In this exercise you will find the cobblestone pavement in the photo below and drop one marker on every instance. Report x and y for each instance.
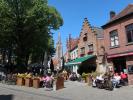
(72, 91)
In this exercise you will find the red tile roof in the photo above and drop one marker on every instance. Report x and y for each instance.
(127, 11)
(74, 43)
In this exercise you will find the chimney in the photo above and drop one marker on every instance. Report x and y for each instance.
(112, 14)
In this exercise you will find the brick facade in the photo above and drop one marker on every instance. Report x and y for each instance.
(123, 50)
(90, 42)
(92, 36)
(120, 27)
(88, 33)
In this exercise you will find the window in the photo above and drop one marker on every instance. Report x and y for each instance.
(83, 50)
(114, 38)
(85, 37)
(129, 33)
(130, 69)
(90, 47)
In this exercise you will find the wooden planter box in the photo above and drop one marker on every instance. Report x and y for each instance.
(28, 82)
(59, 83)
(36, 83)
(20, 81)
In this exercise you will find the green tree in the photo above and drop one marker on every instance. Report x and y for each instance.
(25, 27)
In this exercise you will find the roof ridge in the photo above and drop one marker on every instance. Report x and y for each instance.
(124, 10)
(128, 10)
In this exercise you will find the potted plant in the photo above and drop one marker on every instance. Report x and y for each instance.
(85, 77)
(28, 80)
(59, 82)
(20, 79)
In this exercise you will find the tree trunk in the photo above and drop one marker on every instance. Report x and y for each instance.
(4, 56)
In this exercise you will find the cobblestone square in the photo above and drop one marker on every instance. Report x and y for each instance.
(72, 91)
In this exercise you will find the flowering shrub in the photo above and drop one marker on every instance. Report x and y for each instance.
(84, 75)
(25, 75)
(81, 55)
(21, 75)
(89, 52)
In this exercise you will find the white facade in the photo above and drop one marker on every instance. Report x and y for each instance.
(74, 53)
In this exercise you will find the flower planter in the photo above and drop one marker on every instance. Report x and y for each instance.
(28, 82)
(81, 55)
(90, 52)
(20, 81)
(59, 83)
(36, 83)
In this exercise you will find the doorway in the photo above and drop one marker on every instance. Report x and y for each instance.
(119, 64)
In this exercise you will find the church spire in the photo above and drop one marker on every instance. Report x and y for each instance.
(59, 38)
(59, 47)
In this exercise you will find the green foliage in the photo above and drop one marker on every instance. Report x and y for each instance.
(84, 75)
(25, 27)
(94, 74)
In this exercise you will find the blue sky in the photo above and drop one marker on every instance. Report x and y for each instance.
(73, 13)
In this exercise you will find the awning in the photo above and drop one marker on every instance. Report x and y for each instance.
(120, 55)
(80, 60)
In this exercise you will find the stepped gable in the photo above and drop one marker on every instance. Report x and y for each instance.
(86, 27)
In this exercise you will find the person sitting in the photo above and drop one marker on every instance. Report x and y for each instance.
(73, 76)
(48, 81)
(99, 81)
(42, 79)
(100, 77)
(124, 78)
(116, 79)
(94, 82)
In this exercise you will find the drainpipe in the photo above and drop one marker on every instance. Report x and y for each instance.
(96, 51)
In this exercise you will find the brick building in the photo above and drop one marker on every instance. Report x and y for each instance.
(88, 49)
(118, 36)
(72, 52)
(72, 45)
(91, 43)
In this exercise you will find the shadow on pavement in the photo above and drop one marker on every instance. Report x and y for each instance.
(6, 97)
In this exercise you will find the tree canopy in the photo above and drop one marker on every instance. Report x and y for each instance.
(25, 28)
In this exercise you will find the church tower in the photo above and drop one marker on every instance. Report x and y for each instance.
(59, 52)
(59, 47)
